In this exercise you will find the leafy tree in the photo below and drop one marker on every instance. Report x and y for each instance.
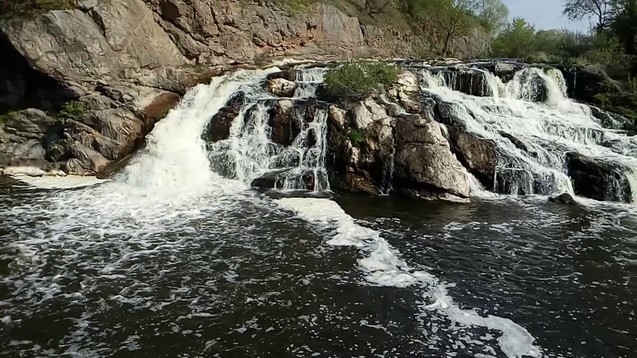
(517, 40)
(493, 14)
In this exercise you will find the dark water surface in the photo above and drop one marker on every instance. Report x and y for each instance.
(88, 274)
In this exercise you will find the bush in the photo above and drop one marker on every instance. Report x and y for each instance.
(358, 80)
(357, 136)
(73, 110)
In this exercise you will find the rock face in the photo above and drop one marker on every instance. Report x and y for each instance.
(598, 179)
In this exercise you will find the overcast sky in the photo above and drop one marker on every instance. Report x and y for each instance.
(544, 14)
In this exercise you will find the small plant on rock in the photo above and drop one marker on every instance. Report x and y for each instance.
(358, 80)
(357, 136)
(73, 110)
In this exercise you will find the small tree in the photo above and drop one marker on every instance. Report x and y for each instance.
(517, 40)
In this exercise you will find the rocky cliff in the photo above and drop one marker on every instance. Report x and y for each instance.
(126, 62)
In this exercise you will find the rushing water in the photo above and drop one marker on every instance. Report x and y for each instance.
(171, 259)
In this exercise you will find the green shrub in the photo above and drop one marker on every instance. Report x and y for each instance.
(73, 110)
(357, 136)
(358, 80)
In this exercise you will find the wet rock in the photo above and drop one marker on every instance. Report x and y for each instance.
(219, 126)
(565, 198)
(477, 154)
(599, 179)
(281, 87)
(283, 123)
(469, 81)
(287, 74)
(279, 179)
(518, 143)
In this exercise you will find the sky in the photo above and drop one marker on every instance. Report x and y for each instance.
(544, 14)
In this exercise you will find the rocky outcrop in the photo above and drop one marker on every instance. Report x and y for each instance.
(374, 152)
(599, 179)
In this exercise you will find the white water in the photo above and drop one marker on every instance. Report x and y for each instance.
(548, 130)
(250, 153)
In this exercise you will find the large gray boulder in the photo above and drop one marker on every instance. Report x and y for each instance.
(425, 165)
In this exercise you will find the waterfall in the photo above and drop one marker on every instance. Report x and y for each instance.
(250, 153)
(174, 160)
(535, 125)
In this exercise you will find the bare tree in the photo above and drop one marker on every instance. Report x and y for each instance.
(598, 9)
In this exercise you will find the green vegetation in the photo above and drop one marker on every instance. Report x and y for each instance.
(359, 79)
(73, 110)
(11, 8)
(356, 136)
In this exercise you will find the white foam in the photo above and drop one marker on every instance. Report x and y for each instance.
(384, 267)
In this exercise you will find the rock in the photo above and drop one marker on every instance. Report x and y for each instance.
(405, 91)
(469, 81)
(599, 179)
(28, 124)
(279, 178)
(283, 123)
(71, 44)
(368, 111)
(565, 198)
(424, 164)
(219, 126)
(85, 161)
(281, 87)
(478, 155)
(85, 5)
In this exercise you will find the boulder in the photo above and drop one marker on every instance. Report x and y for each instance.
(283, 122)
(565, 199)
(281, 87)
(285, 179)
(599, 179)
(218, 128)
(478, 155)
(424, 163)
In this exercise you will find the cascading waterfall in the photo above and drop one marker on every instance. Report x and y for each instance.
(249, 153)
(535, 125)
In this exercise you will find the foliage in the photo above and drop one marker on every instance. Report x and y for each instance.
(517, 40)
(492, 14)
(73, 110)
(359, 79)
(30, 7)
(356, 136)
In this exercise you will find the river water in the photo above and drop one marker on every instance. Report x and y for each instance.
(172, 260)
